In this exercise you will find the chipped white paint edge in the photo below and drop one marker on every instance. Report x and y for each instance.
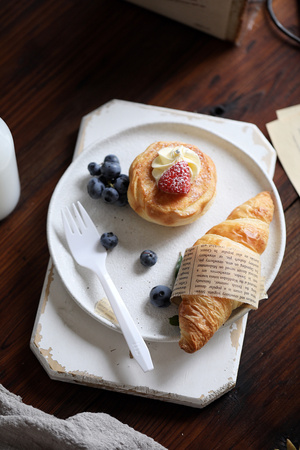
(178, 378)
(72, 347)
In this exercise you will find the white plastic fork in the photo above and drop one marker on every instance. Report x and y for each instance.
(84, 242)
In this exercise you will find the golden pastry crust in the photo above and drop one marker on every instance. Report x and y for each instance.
(171, 210)
(247, 227)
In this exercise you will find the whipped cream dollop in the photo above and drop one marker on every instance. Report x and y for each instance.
(168, 156)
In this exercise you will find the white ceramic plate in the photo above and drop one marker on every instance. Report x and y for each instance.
(239, 178)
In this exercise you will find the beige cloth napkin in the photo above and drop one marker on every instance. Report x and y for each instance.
(24, 427)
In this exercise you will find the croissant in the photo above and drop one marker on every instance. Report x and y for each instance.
(246, 227)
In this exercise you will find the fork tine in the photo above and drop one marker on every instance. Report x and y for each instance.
(88, 221)
(68, 221)
(81, 224)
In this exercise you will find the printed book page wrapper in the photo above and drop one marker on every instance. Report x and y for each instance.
(220, 272)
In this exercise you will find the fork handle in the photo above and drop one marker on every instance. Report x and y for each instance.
(131, 334)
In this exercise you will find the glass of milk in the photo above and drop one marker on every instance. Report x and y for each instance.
(9, 176)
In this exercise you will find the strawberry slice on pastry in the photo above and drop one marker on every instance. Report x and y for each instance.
(176, 179)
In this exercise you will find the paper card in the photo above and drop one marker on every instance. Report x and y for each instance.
(288, 112)
(220, 272)
(285, 136)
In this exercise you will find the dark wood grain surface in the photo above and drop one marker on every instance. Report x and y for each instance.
(59, 60)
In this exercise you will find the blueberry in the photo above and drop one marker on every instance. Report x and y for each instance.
(110, 195)
(103, 179)
(148, 258)
(122, 183)
(94, 169)
(95, 188)
(160, 296)
(122, 200)
(109, 240)
(110, 170)
(111, 158)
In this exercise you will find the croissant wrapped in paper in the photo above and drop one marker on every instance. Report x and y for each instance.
(246, 227)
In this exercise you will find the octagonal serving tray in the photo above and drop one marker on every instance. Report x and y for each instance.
(72, 346)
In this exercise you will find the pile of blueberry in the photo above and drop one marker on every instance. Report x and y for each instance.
(108, 182)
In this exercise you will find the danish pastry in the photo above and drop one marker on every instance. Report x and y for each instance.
(171, 183)
(246, 227)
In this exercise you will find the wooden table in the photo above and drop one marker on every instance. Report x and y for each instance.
(58, 62)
